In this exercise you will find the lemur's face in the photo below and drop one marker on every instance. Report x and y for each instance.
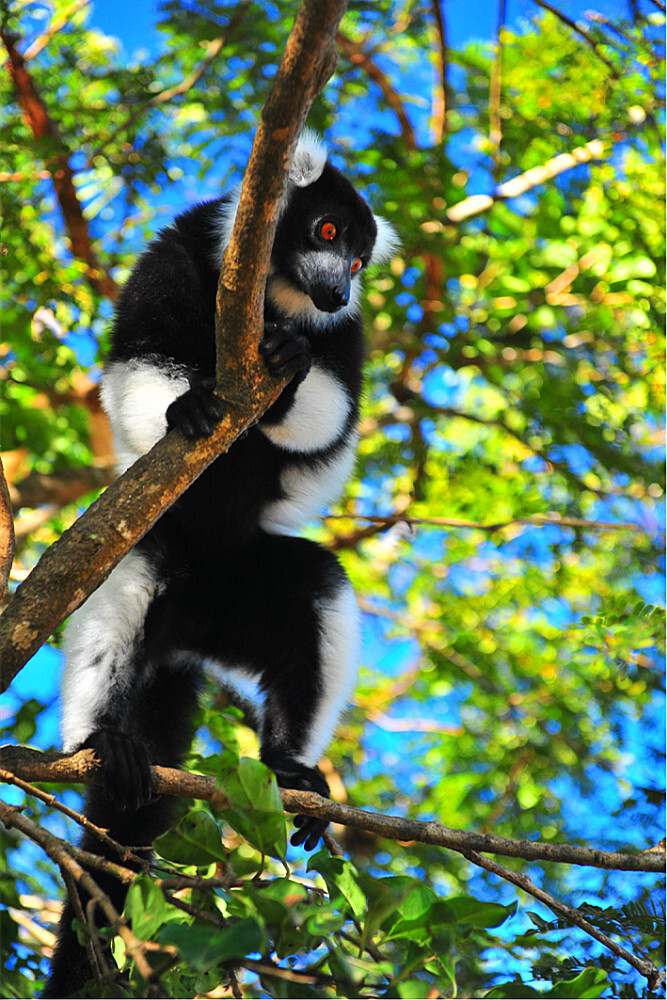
(325, 238)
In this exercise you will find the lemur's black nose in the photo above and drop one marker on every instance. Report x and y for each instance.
(340, 295)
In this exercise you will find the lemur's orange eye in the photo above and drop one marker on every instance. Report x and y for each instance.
(356, 265)
(327, 231)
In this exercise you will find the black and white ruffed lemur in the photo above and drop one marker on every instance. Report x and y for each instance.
(220, 583)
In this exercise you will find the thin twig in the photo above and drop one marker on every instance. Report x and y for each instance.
(643, 966)
(213, 48)
(536, 520)
(495, 90)
(66, 857)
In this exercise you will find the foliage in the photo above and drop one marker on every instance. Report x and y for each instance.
(512, 677)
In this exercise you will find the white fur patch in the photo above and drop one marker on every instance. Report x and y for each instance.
(243, 686)
(340, 628)
(309, 160)
(386, 241)
(135, 395)
(224, 223)
(316, 418)
(308, 491)
(99, 643)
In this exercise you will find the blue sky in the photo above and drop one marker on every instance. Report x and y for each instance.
(133, 21)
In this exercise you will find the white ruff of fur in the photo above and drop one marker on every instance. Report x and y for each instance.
(135, 396)
(317, 416)
(308, 491)
(99, 644)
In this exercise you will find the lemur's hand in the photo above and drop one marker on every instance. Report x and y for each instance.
(290, 774)
(197, 411)
(125, 768)
(285, 352)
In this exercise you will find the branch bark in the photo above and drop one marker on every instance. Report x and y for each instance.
(32, 765)
(6, 533)
(85, 555)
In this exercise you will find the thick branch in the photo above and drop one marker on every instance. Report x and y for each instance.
(85, 555)
(6, 533)
(31, 765)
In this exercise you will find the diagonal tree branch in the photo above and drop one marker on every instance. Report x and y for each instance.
(56, 25)
(573, 916)
(213, 49)
(586, 35)
(355, 53)
(85, 555)
(440, 94)
(478, 203)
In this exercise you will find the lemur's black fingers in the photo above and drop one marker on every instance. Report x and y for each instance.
(285, 352)
(309, 832)
(197, 411)
(292, 774)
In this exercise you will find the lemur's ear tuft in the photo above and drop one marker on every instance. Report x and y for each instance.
(387, 241)
(309, 159)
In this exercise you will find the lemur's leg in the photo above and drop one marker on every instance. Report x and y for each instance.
(284, 617)
(157, 728)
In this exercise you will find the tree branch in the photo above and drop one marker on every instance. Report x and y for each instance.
(358, 57)
(32, 765)
(6, 533)
(44, 129)
(573, 916)
(56, 25)
(67, 858)
(213, 48)
(85, 555)
(61, 487)
(440, 96)
(478, 203)
(379, 523)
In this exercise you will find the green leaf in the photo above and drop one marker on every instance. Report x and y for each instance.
(256, 806)
(195, 840)
(147, 908)
(204, 947)
(342, 881)
(476, 913)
